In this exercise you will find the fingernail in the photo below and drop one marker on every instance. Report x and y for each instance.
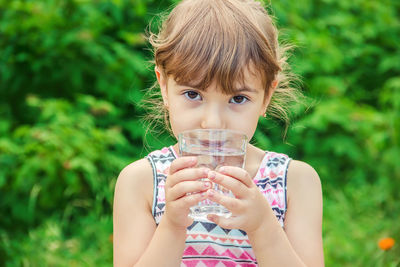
(221, 169)
(207, 184)
(211, 175)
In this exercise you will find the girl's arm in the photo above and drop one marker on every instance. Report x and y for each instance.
(134, 225)
(300, 244)
(137, 240)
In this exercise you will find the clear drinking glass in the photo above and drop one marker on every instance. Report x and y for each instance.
(213, 148)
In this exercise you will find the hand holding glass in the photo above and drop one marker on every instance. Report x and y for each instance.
(213, 148)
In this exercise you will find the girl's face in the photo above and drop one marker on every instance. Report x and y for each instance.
(190, 108)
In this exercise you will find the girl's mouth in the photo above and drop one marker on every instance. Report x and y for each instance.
(212, 143)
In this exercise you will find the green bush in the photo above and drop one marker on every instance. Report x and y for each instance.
(73, 72)
(61, 168)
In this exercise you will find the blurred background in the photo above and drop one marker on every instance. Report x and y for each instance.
(72, 75)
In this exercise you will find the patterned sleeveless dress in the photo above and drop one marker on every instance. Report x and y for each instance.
(207, 244)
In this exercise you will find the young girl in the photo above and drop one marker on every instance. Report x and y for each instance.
(218, 66)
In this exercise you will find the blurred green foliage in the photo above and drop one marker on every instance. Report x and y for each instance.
(72, 73)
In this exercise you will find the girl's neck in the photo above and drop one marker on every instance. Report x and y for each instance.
(254, 156)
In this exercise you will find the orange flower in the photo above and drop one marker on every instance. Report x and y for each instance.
(386, 243)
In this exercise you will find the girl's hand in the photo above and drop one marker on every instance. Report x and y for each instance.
(250, 209)
(183, 189)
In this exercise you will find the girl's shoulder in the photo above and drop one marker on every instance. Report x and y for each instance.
(141, 171)
(302, 174)
(137, 178)
(136, 171)
(303, 187)
(135, 182)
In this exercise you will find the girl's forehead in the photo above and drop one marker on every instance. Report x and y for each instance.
(249, 79)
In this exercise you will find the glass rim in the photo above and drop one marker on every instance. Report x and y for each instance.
(235, 132)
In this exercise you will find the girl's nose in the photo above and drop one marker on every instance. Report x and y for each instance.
(212, 118)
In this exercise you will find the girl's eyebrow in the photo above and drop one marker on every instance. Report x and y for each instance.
(240, 89)
(185, 85)
(245, 89)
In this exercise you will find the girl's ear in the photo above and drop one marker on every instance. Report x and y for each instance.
(274, 84)
(162, 81)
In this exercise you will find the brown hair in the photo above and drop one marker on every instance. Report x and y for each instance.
(202, 41)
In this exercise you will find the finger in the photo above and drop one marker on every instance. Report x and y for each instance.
(234, 205)
(182, 163)
(189, 174)
(226, 223)
(237, 173)
(238, 188)
(188, 187)
(184, 203)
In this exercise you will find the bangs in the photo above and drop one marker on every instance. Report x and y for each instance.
(214, 41)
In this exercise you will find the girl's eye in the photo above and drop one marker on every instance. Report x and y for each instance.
(239, 99)
(192, 95)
